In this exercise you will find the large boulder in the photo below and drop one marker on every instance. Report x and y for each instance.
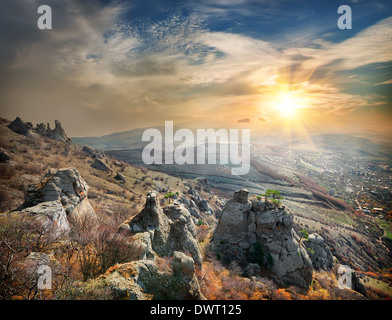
(256, 231)
(164, 231)
(61, 197)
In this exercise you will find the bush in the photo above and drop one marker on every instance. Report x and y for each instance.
(101, 246)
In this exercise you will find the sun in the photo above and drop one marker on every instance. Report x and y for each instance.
(287, 103)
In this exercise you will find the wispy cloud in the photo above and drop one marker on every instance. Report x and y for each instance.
(98, 71)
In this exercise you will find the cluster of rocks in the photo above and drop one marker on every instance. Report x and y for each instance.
(59, 198)
(196, 203)
(142, 280)
(163, 231)
(25, 128)
(168, 233)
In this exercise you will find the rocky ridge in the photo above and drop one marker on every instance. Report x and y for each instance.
(25, 128)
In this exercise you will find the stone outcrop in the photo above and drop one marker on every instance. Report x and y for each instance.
(61, 197)
(320, 253)
(120, 176)
(257, 231)
(142, 280)
(57, 133)
(99, 164)
(20, 127)
(162, 232)
(93, 153)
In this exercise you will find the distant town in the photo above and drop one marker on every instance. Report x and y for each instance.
(364, 184)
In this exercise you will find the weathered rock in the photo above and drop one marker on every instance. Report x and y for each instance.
(50, 212)
(141, 280)
(194, 212)
(58, 133)
(320, 253)
(100, 165)
(205, 207)
(168, 230)
(185, 201)
(20, 127)
(95, 153)
(246, 231)
(357, 285)
(182, 235)
(61, 197)
(120, 176)
(241, 195)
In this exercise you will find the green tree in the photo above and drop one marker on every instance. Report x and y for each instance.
(169, 195)
(274, 194)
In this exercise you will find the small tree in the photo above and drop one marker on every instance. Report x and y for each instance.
(275, 195)
(169, 195)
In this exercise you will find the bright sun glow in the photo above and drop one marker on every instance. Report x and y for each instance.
(287, 103)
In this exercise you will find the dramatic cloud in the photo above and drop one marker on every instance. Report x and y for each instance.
(100, 71)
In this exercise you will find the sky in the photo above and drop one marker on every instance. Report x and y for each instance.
(283, 65)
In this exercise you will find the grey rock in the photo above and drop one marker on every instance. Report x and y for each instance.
(120, 176)
(141, 280)
(91, 152)
(61, 197)
(205, 207)
(194, 212)
(20, 127)
(185, 201)
(357, 285)
(241, 195)
(99, 164)
(242, 225)
(320, 253)
(171, 229)
(51, 213)
(58, 133)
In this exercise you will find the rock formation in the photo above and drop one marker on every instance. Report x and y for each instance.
(93, 153)
(142, 280)
(57, 133)
(120, 176)
(63, 196)
(99, 164)
(162, 232)
(250, 231)
(320, 253)
(20, 127)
